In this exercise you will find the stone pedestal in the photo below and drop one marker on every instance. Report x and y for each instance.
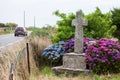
(73, 63)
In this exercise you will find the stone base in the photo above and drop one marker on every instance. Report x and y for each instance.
(73, 63)
(61, 70)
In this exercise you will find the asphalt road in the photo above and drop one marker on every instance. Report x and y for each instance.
(9, 39)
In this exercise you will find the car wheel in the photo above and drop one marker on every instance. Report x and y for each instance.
(14, 34)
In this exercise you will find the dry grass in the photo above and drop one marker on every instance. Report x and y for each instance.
(7, 56)
(22, 68)
(39, 44)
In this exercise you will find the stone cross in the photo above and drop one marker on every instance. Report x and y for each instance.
(79, 22)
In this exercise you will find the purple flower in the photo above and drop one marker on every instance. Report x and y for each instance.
(99, 53)
(69, 44)
(104, 51)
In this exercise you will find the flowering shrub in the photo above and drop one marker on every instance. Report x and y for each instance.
(69, 44)
(53, 53)
(103, 56)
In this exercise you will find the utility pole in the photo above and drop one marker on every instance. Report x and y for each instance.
(24, 19)
(34, 21)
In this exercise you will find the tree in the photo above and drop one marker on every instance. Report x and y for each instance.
(99, 25)
(116, 21)
(64, 29)
(2, 25)
(11, 24)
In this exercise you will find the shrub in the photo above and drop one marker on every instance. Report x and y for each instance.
(116, 21)
(40, 32)
(69, 44)
(64, 29)
(101, 23)
(53, 54)
(63, 33)
(98, 23)
(103, 56)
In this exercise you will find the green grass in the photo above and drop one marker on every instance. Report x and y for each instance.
(7, 32)
(47, 70)
(96, 77)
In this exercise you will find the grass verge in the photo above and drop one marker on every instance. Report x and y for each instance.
(7, 32)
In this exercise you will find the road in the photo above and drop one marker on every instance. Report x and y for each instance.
(9, 39)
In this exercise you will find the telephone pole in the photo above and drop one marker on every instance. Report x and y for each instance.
(34, 21)
(24, 19)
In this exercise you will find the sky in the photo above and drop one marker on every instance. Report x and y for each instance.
(42, 10)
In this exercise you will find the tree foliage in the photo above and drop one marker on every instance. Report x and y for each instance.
(116, 21)
(2, 25)
(99, 25)
(64, 28)
(8, 25)
(11, 24)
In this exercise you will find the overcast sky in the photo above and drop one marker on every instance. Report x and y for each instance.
(13, 10)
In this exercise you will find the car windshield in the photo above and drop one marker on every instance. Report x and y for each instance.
(19, 28)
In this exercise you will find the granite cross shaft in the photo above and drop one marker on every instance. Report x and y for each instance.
(79, 22)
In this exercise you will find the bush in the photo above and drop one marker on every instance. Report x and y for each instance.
(98, 23)
(64, 29)
(63, 33)
(40, 32)
(116, 21)
(69, 44)
(103, 56)
(53, 54)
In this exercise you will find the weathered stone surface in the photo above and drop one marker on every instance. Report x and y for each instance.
(74, 61)
(61, 70)
(79, 22)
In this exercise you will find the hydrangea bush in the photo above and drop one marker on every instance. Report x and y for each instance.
(69, 44)
(53, 53)
(103, 56)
